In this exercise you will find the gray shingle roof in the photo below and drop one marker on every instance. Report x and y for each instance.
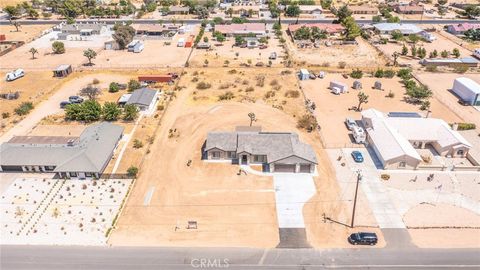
(90, 153)
(275, 146)
(142, 96)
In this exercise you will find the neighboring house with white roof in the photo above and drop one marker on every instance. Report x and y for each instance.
(80, 157)
(404, 28)
(144, 98)
(275, 151)
(394, 139)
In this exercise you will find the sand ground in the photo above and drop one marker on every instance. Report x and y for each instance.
(332, 109)
(362, 55)
(441, 84)
(231, 210)
(27, 32)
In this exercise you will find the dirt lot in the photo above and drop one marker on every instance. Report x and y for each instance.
(231, 210)
(332, 109)
(441, 84)
(440, 44)
(27, 32)
(236, 56)
(361, 55)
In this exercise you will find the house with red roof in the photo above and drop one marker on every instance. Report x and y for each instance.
(461, 28)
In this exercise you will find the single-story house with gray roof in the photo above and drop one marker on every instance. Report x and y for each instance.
(144, 98)
(80, 157)
(275, 151)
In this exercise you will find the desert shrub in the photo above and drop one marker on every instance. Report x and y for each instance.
(286, 72)
(5, 115)
(273, 82)
(226, 96)
(379, 73)
(325, 64)
(95, 81)
(460, 68)
(385, 176)
(132, 171)
(431, 68)
(342, 64)
(245, 82)
(58, 47)
(425, 105)
(466, 126)
(292, 94)
(160, 107)
(356, 74)
(389, 73)
(260, 80)
(269, 94)
(390, 94)
(24, 108)
(232, 71)
(405, 73)
(307, 122)
(133, 85)
(137, 144)
(113, 87)
(203, 85)
(250, 89)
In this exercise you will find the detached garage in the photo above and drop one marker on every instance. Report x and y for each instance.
(467, 90)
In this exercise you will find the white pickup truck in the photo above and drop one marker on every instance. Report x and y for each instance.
(11, 76)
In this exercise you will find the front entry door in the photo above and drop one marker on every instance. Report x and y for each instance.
(244, 159)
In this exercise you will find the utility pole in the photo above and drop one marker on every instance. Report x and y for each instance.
(359, 177)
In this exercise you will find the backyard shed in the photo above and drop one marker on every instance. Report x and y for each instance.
(357, 85)
(304, 74)
(155, 78)
(467, 90)
(62, 71)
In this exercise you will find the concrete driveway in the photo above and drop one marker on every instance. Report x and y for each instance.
(292, 191)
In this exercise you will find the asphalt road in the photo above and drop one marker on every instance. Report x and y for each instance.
(105, 258)
(196, 21)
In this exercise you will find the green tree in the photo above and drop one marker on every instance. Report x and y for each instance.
(393, 19)
(58, 47)
(376, 19)
(362, 99)
(111, 111)
(12, 11)
(417, 93)
(352, 28)
(343, 13)
(133, 85)
(413, 38)
(473, 34)
(317, 34)
(132, 171)
(292, 11)
(91, 111)
(130, 112)
(397, 35)
(113, 87)
(90, 54)
(472, 11)
(356, 74)
(302, 33)
(326, 4)
(444, 53)
(414, 51)
(123, 35)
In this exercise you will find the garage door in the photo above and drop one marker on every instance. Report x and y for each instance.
(285, 168)
(12, 168)
(305, 168)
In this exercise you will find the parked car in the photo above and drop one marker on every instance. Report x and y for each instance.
(75, 99)
(263, 46)
(350, 123)
(63, 104)
(273, 56)
(363, 238)
(357, 156)
(11, 76)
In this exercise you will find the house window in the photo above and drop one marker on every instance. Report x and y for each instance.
(73, 174)
(402, 164)
(259, 158)
(215, 154)
(88, 174)
(231, 154)
(460, 152)
(49, 168)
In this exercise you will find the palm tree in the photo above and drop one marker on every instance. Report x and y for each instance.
(253, 118)
(33, 51)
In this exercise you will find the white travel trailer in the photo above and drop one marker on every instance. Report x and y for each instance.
(338, 88)
(11, 76)
(181, 42)
(476, 53)
(359, 134)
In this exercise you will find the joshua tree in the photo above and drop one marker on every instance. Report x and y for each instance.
(33, 51)
(16, 24)
(253, 118)
(362, 99)
(395, 57)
